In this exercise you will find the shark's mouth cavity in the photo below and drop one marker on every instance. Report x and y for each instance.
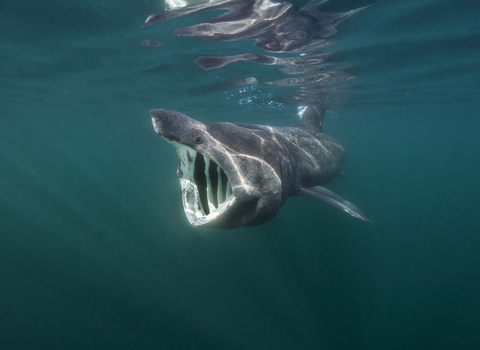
(206, 190)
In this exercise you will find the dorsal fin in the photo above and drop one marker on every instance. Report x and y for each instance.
(311, 117)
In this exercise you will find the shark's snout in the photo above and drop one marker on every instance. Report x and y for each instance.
(174, 125)
(157, 115)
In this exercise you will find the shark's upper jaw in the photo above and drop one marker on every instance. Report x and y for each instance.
(206, 190)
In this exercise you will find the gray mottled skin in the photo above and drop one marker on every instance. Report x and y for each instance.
(265, 164)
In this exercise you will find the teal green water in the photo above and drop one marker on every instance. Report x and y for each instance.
(95, 251)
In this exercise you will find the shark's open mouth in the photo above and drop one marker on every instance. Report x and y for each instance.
(206, 190)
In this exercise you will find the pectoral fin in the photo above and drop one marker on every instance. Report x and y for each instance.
(323, 195)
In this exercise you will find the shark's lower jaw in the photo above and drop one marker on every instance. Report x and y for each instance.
(206, 190)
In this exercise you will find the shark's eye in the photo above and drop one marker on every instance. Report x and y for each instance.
(198, 140)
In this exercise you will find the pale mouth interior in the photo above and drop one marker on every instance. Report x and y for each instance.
(206, 190)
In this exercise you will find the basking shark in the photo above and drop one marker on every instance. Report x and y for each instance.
(235, 175)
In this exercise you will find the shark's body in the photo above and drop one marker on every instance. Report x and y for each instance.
(236, 175)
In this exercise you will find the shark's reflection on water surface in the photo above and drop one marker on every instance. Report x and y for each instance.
(276, 27)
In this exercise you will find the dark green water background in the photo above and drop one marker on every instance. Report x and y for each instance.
(95, 251)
